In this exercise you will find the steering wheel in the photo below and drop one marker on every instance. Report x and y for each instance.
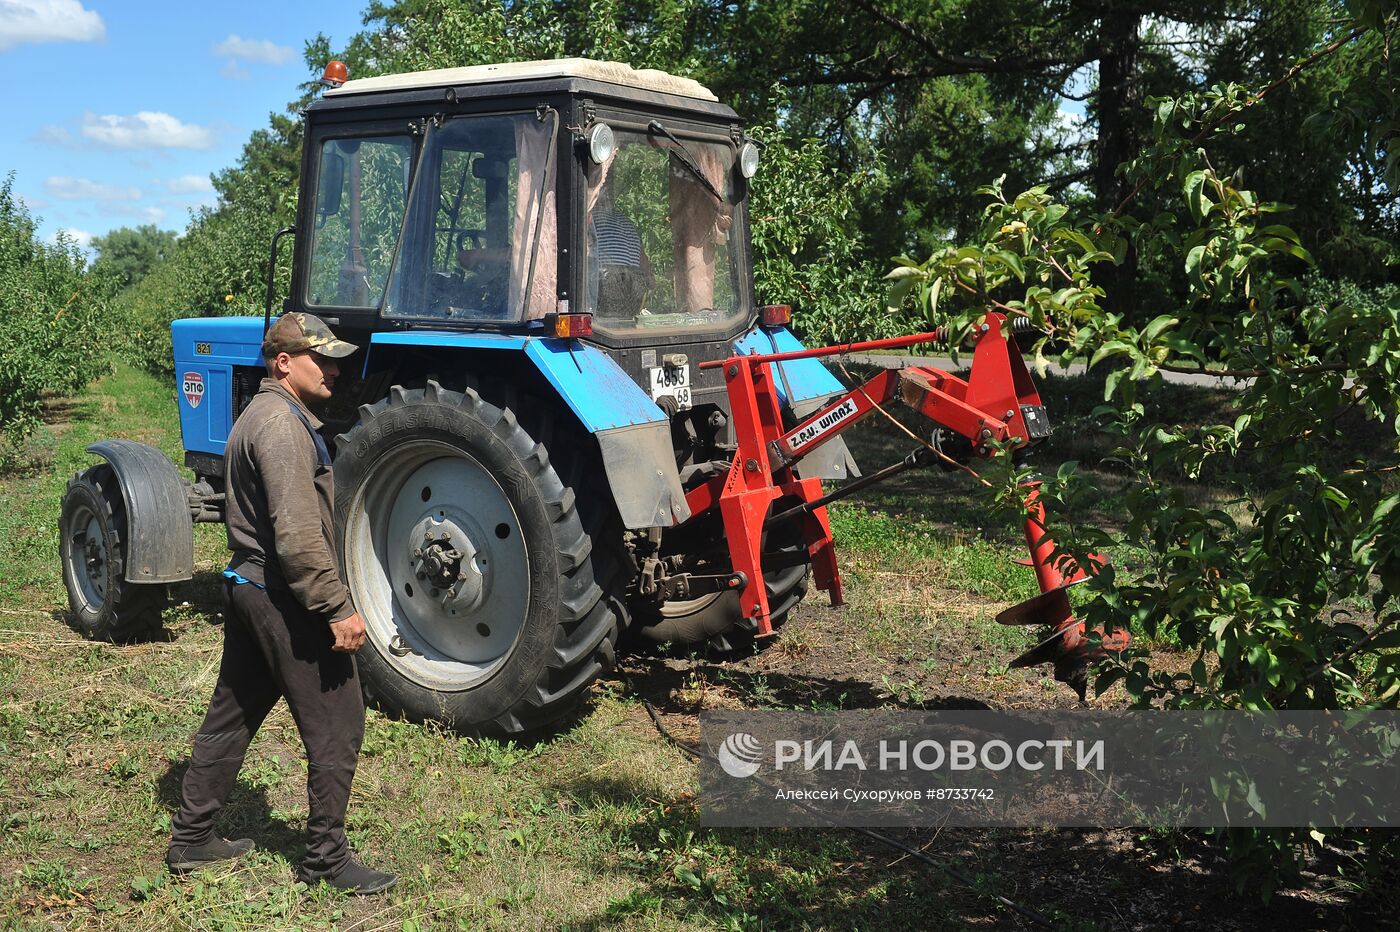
(474, 235)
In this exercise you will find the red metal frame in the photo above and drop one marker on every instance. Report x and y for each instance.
(987, 408)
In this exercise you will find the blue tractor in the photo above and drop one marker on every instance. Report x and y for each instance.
(536, 259)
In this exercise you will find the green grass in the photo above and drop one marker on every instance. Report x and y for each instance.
(126, 403)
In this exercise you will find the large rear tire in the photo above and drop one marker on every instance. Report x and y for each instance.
(92, 541)
(469, 561)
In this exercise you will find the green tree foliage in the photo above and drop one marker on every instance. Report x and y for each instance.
(943, 96)
(129, 253)
(807, 247)
(55, 321)
(1285, 588)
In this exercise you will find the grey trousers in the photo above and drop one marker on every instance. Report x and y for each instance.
(274, 649)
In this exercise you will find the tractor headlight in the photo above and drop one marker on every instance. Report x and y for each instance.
(601, 143)
(748, 159)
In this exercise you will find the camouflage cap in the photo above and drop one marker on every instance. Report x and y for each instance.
(294, 333)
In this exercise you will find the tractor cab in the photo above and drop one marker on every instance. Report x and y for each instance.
(508, 197)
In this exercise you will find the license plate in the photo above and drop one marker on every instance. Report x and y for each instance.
(673, 381)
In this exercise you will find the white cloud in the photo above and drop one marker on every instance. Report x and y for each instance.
(82, 237)
(234, 71)
(144, 130)
(33, 203)
(189, 184)
(24, 21)
(260, 51)
(81, 189)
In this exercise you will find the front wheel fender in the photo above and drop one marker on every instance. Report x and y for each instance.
(160, 534)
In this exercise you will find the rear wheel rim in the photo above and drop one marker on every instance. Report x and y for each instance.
(87, 557)
(446, 613)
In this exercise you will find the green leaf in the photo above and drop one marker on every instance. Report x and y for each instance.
(1107, 679)
(1110, 383)
(687, 876)
(1385, 507)
(1012, 262)
(1196, 199)
(1165, 107)
(1111, 348)
(895, 297)
(1077, 238)
(1158, 324)
(1274, 244)
(1281, 231)
(1255, 802)
(1193, 267)
(933, 297)
(1336, 497)
(1182, 346)
(1117, 246)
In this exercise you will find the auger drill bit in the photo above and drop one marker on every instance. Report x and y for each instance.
(1069, 645)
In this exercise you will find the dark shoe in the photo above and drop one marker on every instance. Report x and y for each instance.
(357, 880)
(182, 858)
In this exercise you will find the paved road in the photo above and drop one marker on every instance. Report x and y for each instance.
(944, 362)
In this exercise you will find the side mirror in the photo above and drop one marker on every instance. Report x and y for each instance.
(332, 180)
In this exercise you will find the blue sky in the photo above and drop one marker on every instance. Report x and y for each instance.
(116, 113)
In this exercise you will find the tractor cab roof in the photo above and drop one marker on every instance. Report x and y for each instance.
(610, 72)
(582, 77)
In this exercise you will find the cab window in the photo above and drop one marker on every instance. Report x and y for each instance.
(362, 190)
(480, 242)
(661, 247)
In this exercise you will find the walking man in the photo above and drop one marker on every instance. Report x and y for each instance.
(290, 629)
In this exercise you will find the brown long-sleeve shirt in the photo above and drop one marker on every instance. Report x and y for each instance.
(278, 509)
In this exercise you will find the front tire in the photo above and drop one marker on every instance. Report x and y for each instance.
(468, 559)
(92, 541)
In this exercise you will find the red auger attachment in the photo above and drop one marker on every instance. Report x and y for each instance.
(995, 407)
(1069, 646)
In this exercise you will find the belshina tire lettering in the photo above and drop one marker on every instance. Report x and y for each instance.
(532, 631)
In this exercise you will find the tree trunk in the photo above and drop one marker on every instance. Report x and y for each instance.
(1117, 102)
